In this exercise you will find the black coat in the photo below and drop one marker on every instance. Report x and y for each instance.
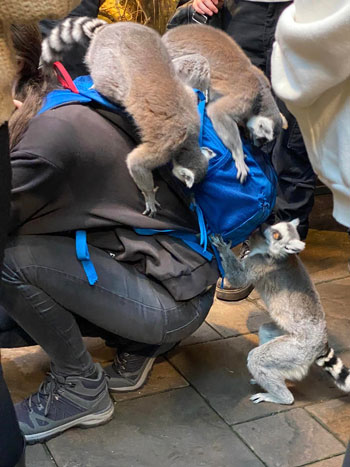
(69, 173)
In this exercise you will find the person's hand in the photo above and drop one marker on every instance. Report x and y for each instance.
(207, 7)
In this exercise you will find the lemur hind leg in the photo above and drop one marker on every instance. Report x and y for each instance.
(141, 162)
(220, 113)
(271, 363)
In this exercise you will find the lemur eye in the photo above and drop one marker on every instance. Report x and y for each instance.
(277, 236)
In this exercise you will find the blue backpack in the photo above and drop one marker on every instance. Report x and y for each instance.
(223, 205)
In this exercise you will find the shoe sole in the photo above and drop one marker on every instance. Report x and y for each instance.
(88, 421)
(230, 296)
(146, 372)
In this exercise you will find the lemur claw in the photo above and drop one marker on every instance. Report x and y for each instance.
(151, 203)
(219, 242)
(266, 397)
(242, 171)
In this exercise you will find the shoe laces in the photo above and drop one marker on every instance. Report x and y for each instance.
(125, 362)
(46, 393)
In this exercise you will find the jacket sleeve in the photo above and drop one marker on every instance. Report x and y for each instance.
(36, 182)
(312, 49)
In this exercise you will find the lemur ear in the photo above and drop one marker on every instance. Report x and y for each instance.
(284, 122)
(294, 246)
(295, 222)
(208, 153)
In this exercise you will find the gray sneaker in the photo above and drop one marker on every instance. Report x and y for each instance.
(63, 402)
(129, 371)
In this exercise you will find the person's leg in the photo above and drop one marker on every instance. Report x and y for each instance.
(346, 462)
(42, 280)
(11, 439)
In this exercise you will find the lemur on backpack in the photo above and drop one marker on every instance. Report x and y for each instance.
(130, 65)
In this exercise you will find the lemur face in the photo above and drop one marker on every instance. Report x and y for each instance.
(277, 241)
(261, 130)
(283, 239)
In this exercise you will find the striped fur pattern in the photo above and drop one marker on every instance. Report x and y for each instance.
(336, 368)
(68, 33)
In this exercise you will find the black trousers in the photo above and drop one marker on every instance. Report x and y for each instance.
(253, 27)
(11, 440)
(45, 289)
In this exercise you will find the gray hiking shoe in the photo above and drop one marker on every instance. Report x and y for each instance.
(63, 402)
(129, 371)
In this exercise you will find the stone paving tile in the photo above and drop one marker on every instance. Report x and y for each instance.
(335, 298)
(37, 456)
(289, 439)
(163, 378)
(335, 414)
(26, 367)
(234, 318)
(24, 370)
(218, 371)
(326, 255)
(336, 461)
(172, 429)
(204, 334)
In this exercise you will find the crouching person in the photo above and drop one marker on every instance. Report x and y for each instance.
(148, 292)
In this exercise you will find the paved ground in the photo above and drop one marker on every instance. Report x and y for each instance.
(195, 409)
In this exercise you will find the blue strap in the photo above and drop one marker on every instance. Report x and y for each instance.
(83, 256)
(202, 226)
(188, 238)
(218, 260)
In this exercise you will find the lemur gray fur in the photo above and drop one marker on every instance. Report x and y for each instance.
(130, 65)
(300, 337)
(239, 93)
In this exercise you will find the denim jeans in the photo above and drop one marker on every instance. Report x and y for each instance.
(45, 288)
(253, 27)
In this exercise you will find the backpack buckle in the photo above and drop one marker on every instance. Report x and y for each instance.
(199, 18)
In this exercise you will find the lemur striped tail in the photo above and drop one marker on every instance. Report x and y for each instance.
(334, 365)
(70, 32)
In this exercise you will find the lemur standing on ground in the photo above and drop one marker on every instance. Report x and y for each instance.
(130, 65)
(239, 93)
(273, 267)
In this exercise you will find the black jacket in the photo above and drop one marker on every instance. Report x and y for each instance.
(69, 173)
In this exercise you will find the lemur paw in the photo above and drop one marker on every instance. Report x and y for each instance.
(252, 381)
(242, 169)
(151, 203)
(219, 242)
(266, 397)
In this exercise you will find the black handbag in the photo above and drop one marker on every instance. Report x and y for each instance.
(186, 14)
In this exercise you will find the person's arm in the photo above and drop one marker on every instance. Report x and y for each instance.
(312, 49)
(36, 182)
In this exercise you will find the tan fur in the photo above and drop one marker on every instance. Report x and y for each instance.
(130, 65)
(238, 90)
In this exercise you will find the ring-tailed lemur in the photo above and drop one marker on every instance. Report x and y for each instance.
(240, 94)
(273, 267)
(130, 65)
